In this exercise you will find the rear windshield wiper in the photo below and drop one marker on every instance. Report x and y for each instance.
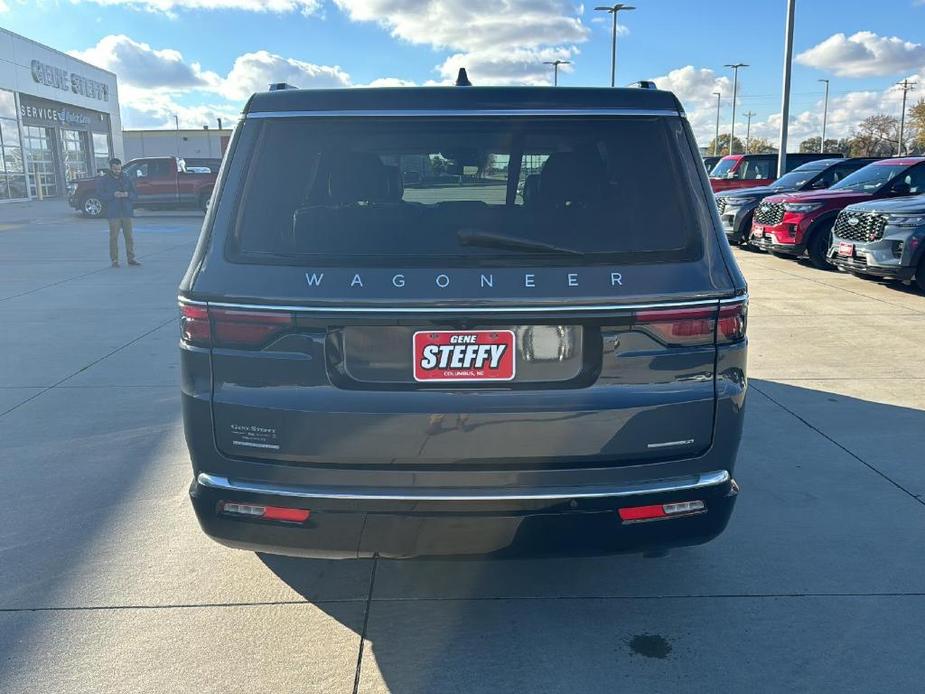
(488, 240)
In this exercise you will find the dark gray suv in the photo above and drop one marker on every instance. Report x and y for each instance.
(447, 321)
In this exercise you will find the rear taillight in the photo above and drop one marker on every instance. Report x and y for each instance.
(693, 326)
(222, 327)
(270, 513)
(733, 319)
(195, 327)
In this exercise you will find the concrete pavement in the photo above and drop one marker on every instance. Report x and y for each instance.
(107, 583)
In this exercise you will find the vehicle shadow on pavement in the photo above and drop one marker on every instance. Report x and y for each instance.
(824, 547)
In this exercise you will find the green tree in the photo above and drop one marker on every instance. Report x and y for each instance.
(915, 122)
(723, 148)
(832, 146)
(760, 145)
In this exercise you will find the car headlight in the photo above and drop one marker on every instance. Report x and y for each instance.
(738, 202)
(802, 206)
(906, 220)
(71, 187)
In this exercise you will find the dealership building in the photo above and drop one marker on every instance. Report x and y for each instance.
(59, 119)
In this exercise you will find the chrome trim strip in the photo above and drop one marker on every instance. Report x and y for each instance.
(415, 113)
(667, 444)
(676, 484)
(460, 309)
(190, 302)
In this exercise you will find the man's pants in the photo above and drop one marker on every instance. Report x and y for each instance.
(126, 224)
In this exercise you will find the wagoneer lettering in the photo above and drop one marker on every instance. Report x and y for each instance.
(444, 321)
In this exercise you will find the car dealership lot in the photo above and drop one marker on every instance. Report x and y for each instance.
(107, 583)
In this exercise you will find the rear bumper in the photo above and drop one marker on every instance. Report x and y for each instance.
(539, 521)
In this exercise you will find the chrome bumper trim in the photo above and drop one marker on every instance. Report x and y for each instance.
(674, 484)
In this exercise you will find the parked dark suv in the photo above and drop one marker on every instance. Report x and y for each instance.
(389, 350)
(737, 207)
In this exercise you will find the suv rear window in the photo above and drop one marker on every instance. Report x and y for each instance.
(387, 191)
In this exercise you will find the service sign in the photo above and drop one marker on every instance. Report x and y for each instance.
(463, 355)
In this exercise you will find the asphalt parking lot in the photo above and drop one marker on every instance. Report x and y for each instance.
(107, 583)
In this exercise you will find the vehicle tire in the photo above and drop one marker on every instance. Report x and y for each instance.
(919, 280)
(92, 206)
(204, 201)
(818, 247)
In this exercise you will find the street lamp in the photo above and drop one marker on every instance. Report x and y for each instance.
(555, 66)
(785, 93)
(735, 92)
(718, 95)
(613, 9)
(825, 114)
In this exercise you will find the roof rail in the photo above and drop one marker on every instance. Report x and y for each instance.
(277, 86)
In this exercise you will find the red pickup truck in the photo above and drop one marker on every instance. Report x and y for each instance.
(751, 170)
(161, 182)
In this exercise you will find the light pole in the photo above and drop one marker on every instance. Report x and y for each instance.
(785, 88)
(555, 67)
(176, 122)
(613, 9)
(825, 115)
(748, 129)
(718, 95)
(735, 92)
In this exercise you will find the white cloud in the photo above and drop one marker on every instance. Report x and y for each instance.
(140, 65)
(520, 66)
(864, 54)
(501, 43)
(388, 82)
(252, 72)
(4, 7)
(171, 7)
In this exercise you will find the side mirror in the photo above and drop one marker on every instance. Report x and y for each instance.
(818, 185)
(137, 173)
(901, 188)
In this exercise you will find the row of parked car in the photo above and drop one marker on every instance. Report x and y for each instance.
(865, 216)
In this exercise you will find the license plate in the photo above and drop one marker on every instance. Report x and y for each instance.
(757, 232)
(846, 249)
(463, 355)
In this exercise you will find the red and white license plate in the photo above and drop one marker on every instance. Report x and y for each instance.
(463, 355)
(757, 231)
(846, 249)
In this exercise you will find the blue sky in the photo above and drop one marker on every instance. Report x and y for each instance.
(200, 58)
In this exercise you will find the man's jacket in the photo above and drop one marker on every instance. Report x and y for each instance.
(107, 186)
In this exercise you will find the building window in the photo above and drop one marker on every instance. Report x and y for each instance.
(76, 152)
(100, 151)
(12, 169)
(40, 157)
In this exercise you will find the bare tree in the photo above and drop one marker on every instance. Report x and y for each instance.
(876, 136)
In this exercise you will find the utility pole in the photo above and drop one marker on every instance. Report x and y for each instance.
(825, 115)
(718, 95)
(613, 10)
(748, 128)
(735, 91)
(785, 97)
(555, 67)
(907, 87)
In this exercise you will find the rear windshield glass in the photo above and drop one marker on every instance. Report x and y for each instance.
(465, 190)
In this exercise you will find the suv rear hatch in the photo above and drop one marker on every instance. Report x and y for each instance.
(498, 292)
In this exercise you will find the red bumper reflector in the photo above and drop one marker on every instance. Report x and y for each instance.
(641, 513)
(274, 513)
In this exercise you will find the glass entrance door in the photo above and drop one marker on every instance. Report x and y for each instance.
(76, 152)
(38, 144)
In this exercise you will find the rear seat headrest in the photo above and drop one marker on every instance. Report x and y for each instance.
(572, 177)
(357, 177)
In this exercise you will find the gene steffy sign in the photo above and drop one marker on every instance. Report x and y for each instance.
(58, 78)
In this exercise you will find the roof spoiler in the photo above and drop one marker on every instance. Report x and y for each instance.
(277, 86)
(643, 84)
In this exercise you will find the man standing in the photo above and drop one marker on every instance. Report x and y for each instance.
(117, 192)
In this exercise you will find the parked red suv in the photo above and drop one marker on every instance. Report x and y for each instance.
(794, 223)
(750, 170)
